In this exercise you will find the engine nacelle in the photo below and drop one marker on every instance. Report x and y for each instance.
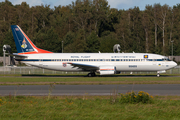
(107, 70)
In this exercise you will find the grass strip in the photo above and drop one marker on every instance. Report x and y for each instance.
(86, 107)
(87, 80)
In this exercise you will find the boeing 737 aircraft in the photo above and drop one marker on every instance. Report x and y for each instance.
(103, 63)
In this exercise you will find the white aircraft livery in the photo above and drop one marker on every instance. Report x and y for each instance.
(103, 63)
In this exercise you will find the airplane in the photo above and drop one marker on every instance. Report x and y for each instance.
(102, 63)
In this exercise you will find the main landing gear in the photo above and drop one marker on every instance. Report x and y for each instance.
(91, 74)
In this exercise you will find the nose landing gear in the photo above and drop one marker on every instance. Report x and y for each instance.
(158, 72)
(158, 75)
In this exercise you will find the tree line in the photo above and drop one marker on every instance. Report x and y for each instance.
(92, 26)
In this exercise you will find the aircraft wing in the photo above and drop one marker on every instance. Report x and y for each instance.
(85, 66)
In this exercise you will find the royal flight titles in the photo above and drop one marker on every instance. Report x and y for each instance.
(80, 56)
(111, 56)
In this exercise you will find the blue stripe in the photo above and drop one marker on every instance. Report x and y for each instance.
(58, 60)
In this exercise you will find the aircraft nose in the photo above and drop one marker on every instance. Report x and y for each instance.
(174, 64)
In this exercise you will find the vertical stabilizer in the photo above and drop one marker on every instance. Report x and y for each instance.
(23, 44)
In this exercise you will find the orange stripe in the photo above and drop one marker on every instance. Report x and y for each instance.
(106, 69)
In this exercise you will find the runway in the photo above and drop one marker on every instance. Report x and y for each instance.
(58, 90)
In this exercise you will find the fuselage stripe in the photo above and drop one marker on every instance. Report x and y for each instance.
(93, 60)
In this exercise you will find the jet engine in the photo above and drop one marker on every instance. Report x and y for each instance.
(107, 70)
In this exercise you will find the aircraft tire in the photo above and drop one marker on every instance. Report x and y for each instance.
(158, 75)
(91, 74)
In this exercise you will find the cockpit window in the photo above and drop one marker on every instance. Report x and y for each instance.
(165, 59)
(168, 59)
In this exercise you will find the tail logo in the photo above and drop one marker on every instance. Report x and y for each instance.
(16, 29)
(24, 44)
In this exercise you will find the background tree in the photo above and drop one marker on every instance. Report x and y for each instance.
(93, 43)
(92, 26)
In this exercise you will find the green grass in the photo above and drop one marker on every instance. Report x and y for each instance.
(88, 80)
(10, 75)
(86, 107)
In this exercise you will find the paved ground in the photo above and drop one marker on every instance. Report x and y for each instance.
(153, 89)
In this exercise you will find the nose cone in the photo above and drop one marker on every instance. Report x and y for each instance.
(174, 64)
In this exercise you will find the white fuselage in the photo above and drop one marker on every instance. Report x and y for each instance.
(122, 61)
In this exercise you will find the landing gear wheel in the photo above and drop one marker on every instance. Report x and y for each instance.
(91, 74)
(158, 75)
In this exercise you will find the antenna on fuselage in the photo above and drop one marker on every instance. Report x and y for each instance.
(117, 48)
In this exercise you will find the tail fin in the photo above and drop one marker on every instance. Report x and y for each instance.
(23, 44)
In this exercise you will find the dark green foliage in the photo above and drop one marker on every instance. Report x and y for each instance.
(48, 38)
(92, 43)
(79, 43)
(92, 26)
(108, 41)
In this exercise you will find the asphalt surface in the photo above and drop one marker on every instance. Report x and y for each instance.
(44, 90)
